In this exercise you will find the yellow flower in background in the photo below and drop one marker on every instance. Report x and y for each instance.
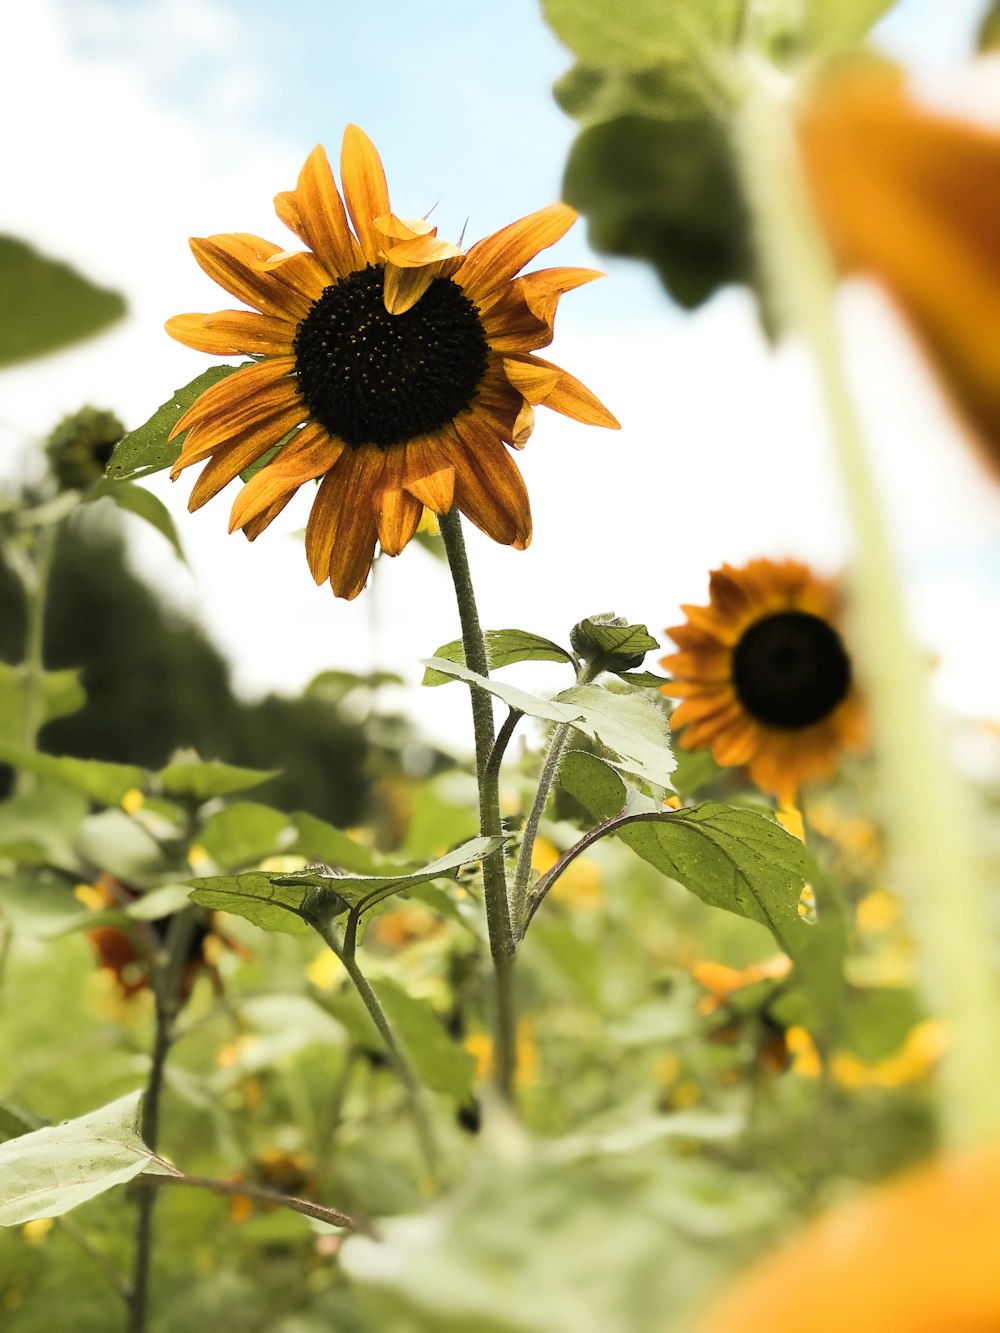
(580, 883)
(764, 677)
(918, 1255)
(910, 196)
(401, 366)
(481, 1047)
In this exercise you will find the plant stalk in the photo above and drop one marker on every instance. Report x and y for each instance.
(928, 811)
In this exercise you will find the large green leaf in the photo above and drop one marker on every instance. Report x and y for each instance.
(144, 504)
(46, 304)
(146, 449)
(634, 34)
(504, 647)
(438, 1061)
(62, 694)
(103, 782)
(319, 841)
(40, 826)
(49, 1171)
(735, 859)
(282, 902)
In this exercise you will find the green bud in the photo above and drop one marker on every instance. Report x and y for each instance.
(610, 643)
(81, 445)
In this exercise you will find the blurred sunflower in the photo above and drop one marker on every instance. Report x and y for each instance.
(918, 1255)
(764, 677)
(909, 195)
(393, 366)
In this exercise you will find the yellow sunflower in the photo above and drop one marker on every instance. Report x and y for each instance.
(764, 677)
(398, 367)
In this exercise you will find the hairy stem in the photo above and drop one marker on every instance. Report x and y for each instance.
(932, 837)
(305, 1206)
(490, 825)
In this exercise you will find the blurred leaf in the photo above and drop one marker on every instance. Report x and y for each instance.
(989, 29)
(244, 833)
(110, 840)
(144, 504)
(438, 1061)
(41, 905)
(335, 686)
(41, 825)
(503, 648)
(62, 695)
(695, 769)
(877, 1021)
(204, 778)
(633, 34)
(49, 1171)
(667, 91)
(831, 24)
(146, 449)
(15, 1121)
(103, 782)
(664, 191)
(319, 841)
(46, 304)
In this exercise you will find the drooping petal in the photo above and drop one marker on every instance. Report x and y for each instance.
(429, 476)
(237, 391)
(521, 317)
(365, 190)
(356, 529)
(309, 455)
(233, 333)
(543, 383)
(277, 421)
(230, 459)
(397, 512)
(489, 489)
(494, 260)
(315, 211)
(236, 260)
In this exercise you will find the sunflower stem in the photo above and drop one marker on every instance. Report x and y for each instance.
(928, 826)
(36, 589)
(498, 919)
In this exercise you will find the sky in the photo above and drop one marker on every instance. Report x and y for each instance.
(142, 122)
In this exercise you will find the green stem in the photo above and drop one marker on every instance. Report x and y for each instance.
(305, 1206)
(928, 809)
(414, 1092)
(36, 593)
(166, 972)
(550, 770)
(498, 918)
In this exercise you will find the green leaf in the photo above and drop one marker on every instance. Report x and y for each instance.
(634, 34)
(120, 845)
(665, 191)
(49, 1171)
(532, 704)
(256, 897)
(643, 680)
(670, 90)
(40, 826)
(439, 1063)
(41, 906)
(734, 859)
(15, 1121)
(103, 782)
(611, 643)
(989, 28)
(146, 449)
(201, 779)
(831, 24)
(503, 648)
(244, 833)
(282, 902)
(144, 504)
(46, 304)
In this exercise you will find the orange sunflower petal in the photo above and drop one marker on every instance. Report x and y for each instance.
(494, 260)
(397, 515)
(315, 211)
(489, 489)
(233, 333)
(236, 261)
(238, 392)
(429, 476)
(365, 189)
(356, 528)
(543, 383)
(229, 460)
(521, 318)
(309, 455)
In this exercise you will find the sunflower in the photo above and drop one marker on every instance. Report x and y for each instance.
(764, 677)
(387, 362)
(908, 195)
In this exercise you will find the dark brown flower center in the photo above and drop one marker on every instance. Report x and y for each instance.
(791, 670)
(369, 377)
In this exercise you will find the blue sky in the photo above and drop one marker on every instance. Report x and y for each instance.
(159, 119)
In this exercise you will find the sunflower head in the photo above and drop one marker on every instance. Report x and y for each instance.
(764, 677)
(80, 446)
(389, 365)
